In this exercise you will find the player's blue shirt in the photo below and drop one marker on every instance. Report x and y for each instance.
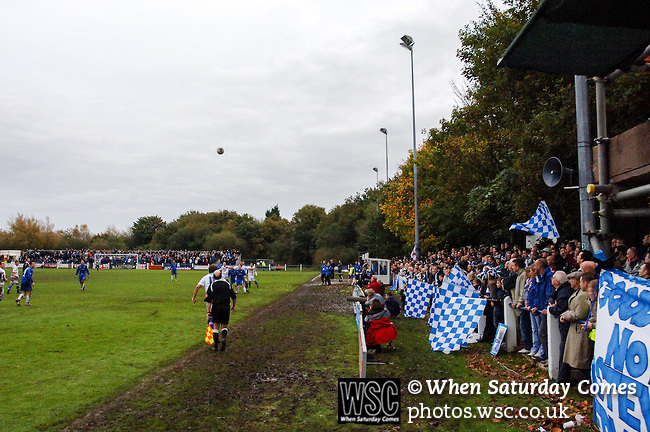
(323, 269)
(240, 275)
(82, 271)
(173, 268)
(27, 278)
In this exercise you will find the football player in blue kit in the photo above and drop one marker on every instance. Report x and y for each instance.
(26, 284)
(240, 278)
(82, 273)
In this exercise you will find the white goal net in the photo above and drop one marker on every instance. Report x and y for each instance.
(116, 261)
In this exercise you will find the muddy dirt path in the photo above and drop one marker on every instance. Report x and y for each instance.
(259, 378)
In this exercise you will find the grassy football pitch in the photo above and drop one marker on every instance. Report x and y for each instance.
(73, 350)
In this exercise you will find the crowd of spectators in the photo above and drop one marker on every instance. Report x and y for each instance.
(483, 261)
(155, 257)
(556, 278)
(189, 258)
(54, 256)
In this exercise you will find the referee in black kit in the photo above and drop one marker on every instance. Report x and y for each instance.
(218, 297)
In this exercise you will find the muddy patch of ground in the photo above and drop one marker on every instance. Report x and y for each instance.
(258, 373)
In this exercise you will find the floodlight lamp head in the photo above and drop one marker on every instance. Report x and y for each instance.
(375, 169)
(384, 131)
(407, 42)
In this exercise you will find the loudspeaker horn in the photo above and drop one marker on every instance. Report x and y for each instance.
(554, 173)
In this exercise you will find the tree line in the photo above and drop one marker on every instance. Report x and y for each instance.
(312, 234)
(478, 172)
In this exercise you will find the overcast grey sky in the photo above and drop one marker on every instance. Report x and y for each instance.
(113, 110)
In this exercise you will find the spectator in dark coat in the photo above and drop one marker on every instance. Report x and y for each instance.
(559, 304)
(509, 280)
(498, 296)
(392, 305)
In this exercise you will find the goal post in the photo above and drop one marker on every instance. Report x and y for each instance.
(109, 261)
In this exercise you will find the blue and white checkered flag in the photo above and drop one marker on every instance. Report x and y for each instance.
(457, 285)
(458, 278)
(540, 224)
(418, 296)
(456, 317)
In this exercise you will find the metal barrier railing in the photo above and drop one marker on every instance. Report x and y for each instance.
(363, 349)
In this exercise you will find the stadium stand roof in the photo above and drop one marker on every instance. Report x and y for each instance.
(582, 37)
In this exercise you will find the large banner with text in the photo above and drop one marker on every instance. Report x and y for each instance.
(620, 373)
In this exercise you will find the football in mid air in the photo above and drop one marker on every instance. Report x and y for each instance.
(220, 150)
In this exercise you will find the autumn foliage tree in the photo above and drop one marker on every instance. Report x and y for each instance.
(480, 171)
